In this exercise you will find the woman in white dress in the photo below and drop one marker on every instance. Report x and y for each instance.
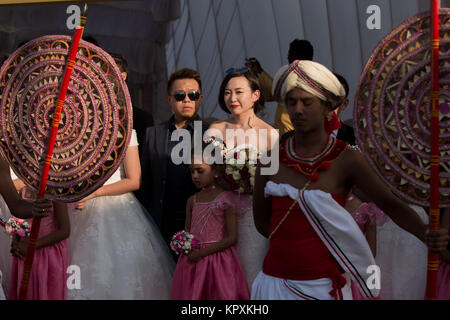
(5, 245)
(402, 259)
(241, 97)
(115, 243)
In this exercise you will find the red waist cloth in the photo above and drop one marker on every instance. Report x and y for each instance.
(296, 252)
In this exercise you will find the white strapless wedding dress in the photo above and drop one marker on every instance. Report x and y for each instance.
(5, 255)
(119, 250)
(251, 246)
(402, 259)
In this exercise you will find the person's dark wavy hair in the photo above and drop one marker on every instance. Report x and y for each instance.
(254, 85)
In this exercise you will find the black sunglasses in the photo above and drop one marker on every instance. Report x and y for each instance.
(181, 95)
(228, 71)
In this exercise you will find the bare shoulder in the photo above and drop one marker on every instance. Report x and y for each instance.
(220, 124)
(353, 165)
(351, 157)
(263, 125)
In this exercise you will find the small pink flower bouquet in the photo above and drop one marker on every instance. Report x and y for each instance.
(183, 242)
(16, 226)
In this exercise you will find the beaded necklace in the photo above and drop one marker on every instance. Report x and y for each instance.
(310, 166)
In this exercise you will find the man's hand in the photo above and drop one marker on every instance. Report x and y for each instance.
(437, 241)
(41, 207)
(19, 248)
(195, 255)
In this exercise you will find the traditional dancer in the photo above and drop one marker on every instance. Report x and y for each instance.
(315, 245)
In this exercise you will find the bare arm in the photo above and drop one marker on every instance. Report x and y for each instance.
(19, 207)
(130, 183)
(62, 221)
(365, 180)
(19, 248)
(262, 206)
(228, 240)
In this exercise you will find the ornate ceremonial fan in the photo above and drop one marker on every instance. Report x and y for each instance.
(393, 109)
(96, 119)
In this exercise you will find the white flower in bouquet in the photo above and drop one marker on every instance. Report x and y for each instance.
(252, 181)
(239, 166)
(242, 157)
(252, 170)
(236, 175)
(253, 155)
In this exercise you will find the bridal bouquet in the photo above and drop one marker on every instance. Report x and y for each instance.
(16, 226)
(183, 242)
(241, 167)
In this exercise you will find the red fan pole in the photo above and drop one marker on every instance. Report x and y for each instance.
(48, 158)
(433, 258)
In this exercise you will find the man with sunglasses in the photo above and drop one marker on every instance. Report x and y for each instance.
(166, 186)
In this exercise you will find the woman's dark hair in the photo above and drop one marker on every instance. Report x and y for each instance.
(120, 61)
(254, 85)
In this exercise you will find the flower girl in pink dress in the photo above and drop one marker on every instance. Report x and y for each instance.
(212, 271)
(48, 274)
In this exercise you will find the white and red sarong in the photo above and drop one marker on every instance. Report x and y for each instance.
(340, 234)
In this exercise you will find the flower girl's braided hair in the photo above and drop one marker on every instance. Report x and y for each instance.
(213, 153)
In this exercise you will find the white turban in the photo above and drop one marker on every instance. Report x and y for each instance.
(310, 76)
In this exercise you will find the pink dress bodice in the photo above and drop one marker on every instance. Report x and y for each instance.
(208, 219)
(217, 276)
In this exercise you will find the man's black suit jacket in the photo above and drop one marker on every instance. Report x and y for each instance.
(154, 156)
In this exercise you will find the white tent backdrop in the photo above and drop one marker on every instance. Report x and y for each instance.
(158, 37)
(138, 30)
(214, 35)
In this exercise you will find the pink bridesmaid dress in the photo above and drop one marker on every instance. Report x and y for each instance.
(218, 276)
(367, 212)
(48, 275)
(443, 282)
